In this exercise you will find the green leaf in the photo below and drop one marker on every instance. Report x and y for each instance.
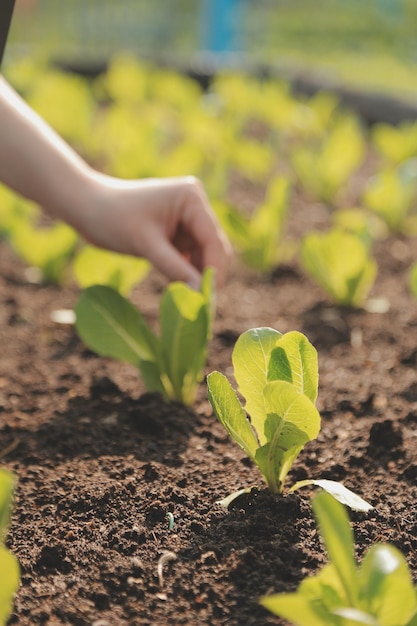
(386, 586)
(230, 413)
(341, 493)
(94, 266)
(294, 608)
(7, 482)
(413, 619)
(185, 322)
(208, 291)
(391, 198)
(9, 567)
(338, 537)
(292, 420)
(295, 360)
(258, 237)
(250, 360)
(315, 602)
(112, 326)
(9, 583)
(339, 262)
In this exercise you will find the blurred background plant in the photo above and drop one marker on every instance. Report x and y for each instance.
(367, 44)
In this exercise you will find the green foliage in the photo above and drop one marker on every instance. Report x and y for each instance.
(340, 263)
(361, 222)
(65, 102)
(277, 375)
(171, 363)
(378, 592)
(392, 194)
(9, 567)
(325, 170)
(48, 249)
(259, 237)
(95, 266)
(395, 143)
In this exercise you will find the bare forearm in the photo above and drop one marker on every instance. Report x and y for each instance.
(36, 162)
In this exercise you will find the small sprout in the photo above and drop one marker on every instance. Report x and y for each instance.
(170, 519)
(164, 558)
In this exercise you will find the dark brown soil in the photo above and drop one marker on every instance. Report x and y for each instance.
(100, 462)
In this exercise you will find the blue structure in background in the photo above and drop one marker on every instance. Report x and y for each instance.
(219, 23)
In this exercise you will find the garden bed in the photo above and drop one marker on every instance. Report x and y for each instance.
(100, 462)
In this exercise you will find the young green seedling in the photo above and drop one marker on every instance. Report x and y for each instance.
(379, 592)
(277, 375)
(94, 266)
(171, 363)
(258, 238)
(324, 171)
(341, 264)
(9, 567)
(392, 194)
(395, 143)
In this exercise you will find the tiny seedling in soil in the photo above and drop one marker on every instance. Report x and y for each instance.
(378, 592)
(278, 377)
(171, 363)
(9, 567)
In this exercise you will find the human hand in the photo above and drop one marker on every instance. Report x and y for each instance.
(168, 221)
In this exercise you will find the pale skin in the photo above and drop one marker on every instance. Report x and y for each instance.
(168, 221)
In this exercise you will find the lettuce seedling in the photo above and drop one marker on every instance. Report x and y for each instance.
(392, 194)
(94, 266)
(341, 264)
(171, 363)
(361, 222)
(323, 171)
(278, 377)
(258, 238)
(379, 592)
(9, 567)
(395, 143)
